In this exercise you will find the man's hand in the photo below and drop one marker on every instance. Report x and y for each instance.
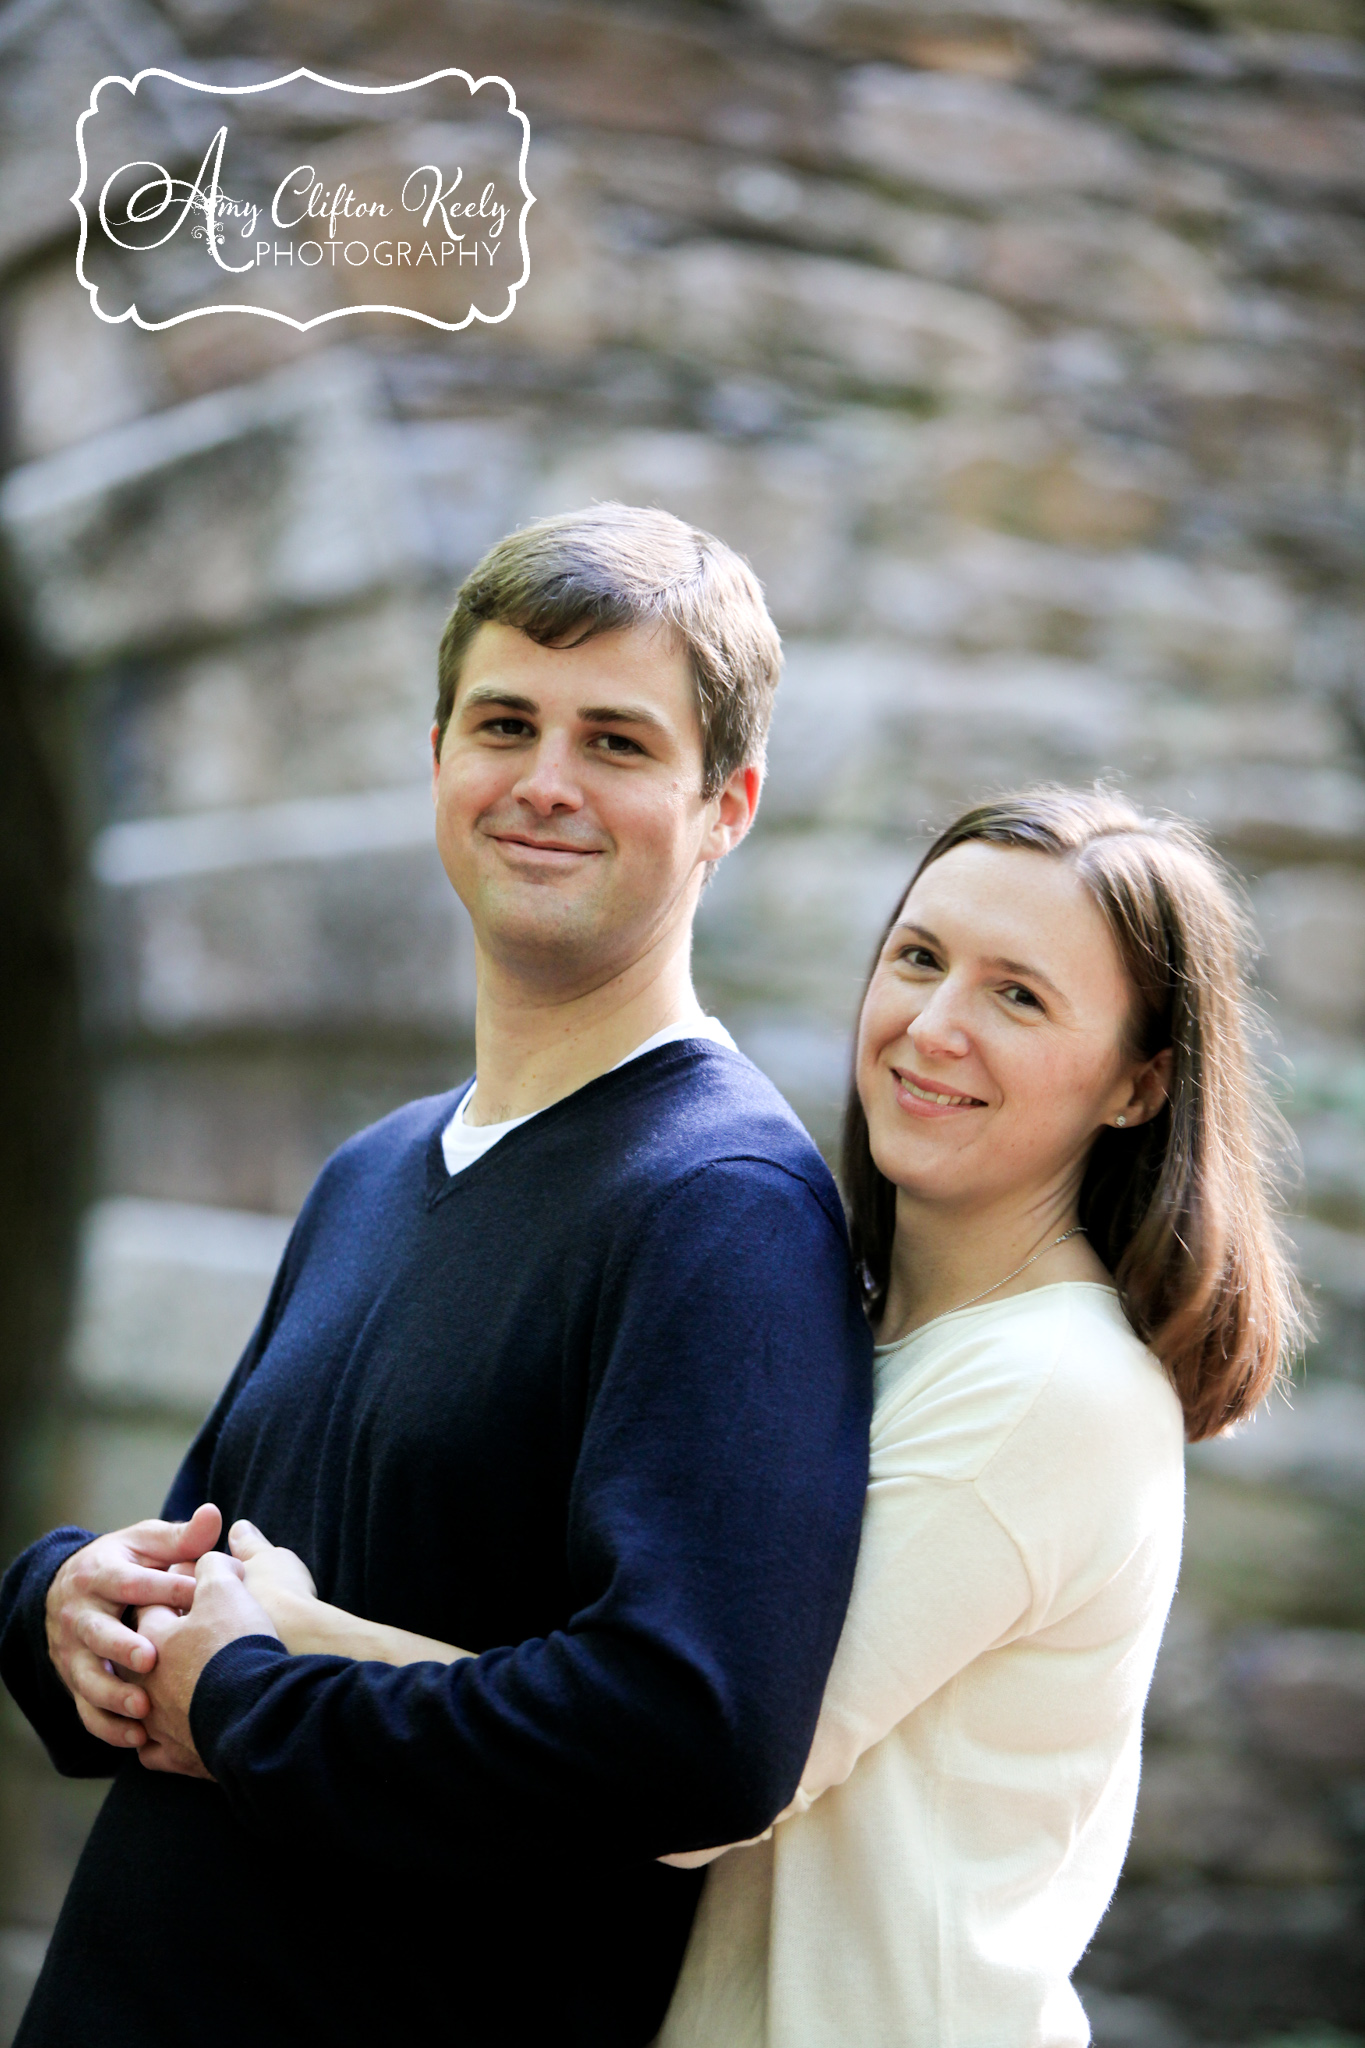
(223, 1611)
(86, 1636)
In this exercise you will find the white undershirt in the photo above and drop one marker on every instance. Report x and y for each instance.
(462, 1143)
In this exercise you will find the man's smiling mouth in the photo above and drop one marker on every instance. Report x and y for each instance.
(543, 845)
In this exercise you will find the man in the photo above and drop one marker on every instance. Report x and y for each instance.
(568, 1369)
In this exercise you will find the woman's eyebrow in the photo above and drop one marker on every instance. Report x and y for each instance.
(1027, 973)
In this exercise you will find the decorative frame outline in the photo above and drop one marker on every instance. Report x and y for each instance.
(269, 312)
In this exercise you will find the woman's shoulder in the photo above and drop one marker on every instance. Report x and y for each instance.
(1062, 1358)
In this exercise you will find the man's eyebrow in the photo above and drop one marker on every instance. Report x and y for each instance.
(622, 714)
(1019, 967)
(489, 693)
(480, 694)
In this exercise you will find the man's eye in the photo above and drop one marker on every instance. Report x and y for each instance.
(507, 728)
(616, 743)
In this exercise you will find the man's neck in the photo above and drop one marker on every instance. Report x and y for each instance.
(531, 1050)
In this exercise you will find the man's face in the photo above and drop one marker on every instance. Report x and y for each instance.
(569, 813)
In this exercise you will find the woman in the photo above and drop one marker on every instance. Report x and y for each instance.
(1055, 1159)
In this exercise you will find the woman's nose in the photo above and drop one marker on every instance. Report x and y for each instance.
(939, 1027)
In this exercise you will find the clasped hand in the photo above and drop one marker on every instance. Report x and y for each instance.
(133, 1686)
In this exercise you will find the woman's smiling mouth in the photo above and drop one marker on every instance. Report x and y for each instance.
(923, 1092)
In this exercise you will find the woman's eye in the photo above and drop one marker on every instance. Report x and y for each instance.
(918, 956)
(1021, 998)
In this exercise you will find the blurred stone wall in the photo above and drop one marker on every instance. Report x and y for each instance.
(1018, 344)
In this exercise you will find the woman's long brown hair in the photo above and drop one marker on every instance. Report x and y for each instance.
(1181, 1209)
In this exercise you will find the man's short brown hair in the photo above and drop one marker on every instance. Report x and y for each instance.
(612, 566)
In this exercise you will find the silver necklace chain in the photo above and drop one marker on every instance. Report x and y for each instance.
(1076, 1230)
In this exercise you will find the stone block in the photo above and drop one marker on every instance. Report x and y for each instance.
(1305, 146)
(1204, 1813)
(324, 914)
(976, 139)
(781, 504)
(117, 1469)
(822, 320)
(1237, 1962)
(71, 376)
(52, 57)
(318, 707)
(725, 191)
(249, 1126)
(874, 737)
(21, 1958)
(1264, 1553)
(167, 1296)
(1134, 614)
(1312, 923)
(1263, 811)
(1113, 268)
(212, 516)
(1118, 2020)
(1304, 1692)
(790, 922)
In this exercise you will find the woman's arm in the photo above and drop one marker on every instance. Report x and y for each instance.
(307, 1626)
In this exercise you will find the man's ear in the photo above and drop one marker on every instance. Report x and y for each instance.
(736, 804)
(435, 759)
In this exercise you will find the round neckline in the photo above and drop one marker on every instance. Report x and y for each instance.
(987, 1308)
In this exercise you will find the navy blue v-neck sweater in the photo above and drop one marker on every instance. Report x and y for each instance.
(595, 1408)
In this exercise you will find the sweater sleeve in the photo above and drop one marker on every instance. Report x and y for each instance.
(26, 1669)
(713, 1530)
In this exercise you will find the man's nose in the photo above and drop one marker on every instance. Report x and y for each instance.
(548, 782)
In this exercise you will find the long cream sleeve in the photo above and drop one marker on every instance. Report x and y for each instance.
(966, 1804)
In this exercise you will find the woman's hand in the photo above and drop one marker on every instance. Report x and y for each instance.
(307, 1626)
(277, 1577)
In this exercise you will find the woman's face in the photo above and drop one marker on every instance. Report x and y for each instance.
(991, 1044)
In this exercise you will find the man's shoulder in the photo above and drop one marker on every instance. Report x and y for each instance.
(396, 1143)
(696, 1106)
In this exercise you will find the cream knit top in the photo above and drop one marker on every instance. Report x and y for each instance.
(967, 1803)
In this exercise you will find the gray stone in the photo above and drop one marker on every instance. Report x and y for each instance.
(1202, 1812)
(168, 1295)
(21, 1957)
(816, 318)
(323, 913)
(213, 515)
(1305, 146)
(1110, 267)
(1238, 1963)
(329, 705)
(1118, 2021)
(249, 1126)
(977, 139)
(51, 56)
(73, 377)
(1318, 1443)
(1312, 922)
(780, 503)
(117, 1469)
(1305, 1694)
